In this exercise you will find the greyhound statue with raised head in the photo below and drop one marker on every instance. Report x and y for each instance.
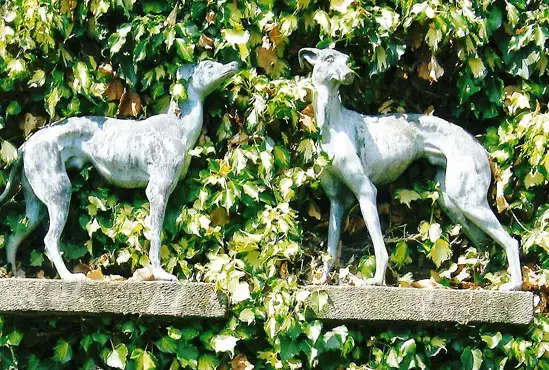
(151, 153)
(372, 150)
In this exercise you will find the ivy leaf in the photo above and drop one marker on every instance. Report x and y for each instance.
(534, 179)
(471, 359)
(477, 67)
(495, 19)
(318, 300)
(492, 340)
(62, 351)
(8, 152)
(100, 337)
(247, 316)
(82, 80)
(440, 252)
(185, 49)
(512, 13)
(208, 362)
(240, 292)
(36, 258)
(117, 357)
(174, 333)
(367, 266)
(224, 343)
(38, 79)
(14, 338)
(236, 37)
(400, 254)
(187, 354)
(435, 231)
(166, 344)
(281, 156)
(118, 39)
(13, 108)
(144, 359)
(190, 333)
(406, 196)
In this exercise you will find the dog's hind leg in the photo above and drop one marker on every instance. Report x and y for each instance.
(467, 183)
(34, 213)
(485, 219)
(58, 210)
(52, 186)
(454, 213)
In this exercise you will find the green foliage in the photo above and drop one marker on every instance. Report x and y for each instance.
(250, 215)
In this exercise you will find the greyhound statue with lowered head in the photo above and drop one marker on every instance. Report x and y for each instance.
(372, 150)
(151, 153)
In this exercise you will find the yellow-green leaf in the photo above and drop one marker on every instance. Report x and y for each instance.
(62, 351)
(236, 37)
(406, 196)
(340, 5)
(8, 152)
(477, 67)
(118, 356)
(440, 252)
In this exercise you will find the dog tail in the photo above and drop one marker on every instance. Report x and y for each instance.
(13, 178)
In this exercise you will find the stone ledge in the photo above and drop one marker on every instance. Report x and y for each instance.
(193, 300)
(377, 303)
(147, 298)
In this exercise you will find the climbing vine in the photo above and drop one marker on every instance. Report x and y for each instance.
(250, 216)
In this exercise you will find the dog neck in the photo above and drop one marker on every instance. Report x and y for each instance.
(327, 105)
(190, 114)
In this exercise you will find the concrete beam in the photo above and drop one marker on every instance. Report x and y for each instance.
(148, 298)
(193, 300)
(377, 303)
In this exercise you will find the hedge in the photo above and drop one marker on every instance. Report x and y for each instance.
(250, 216)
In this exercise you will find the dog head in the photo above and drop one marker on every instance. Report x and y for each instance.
(207, 75)
(329, 66)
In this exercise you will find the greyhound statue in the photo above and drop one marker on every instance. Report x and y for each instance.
(152, 154)
(372, 150)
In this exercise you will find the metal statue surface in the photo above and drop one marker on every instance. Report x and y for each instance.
(372, 150)
(151, 153)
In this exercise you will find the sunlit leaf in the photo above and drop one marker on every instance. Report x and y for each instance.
(440, 252)
(62, 351)
(117, 357)
(224, 343)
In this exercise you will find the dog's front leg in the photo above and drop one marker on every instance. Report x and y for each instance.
(367, 200)
(333, 189)
(366, 193)
(158, 194)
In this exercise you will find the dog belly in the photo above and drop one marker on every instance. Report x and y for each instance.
(122, 176)
(387, 147)
(121, 162)
(387, 172)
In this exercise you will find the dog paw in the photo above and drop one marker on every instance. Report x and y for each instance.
(160, 274)
(511, 286)
(74, 277)
(373, 281)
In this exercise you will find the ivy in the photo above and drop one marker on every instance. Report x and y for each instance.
(250, 216)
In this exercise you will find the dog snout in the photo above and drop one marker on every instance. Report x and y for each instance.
(233, 66)
(346, 75)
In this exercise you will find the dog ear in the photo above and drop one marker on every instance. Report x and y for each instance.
(308, 57)
(185, 72)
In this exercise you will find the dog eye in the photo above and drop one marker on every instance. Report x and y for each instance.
(329, 59)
